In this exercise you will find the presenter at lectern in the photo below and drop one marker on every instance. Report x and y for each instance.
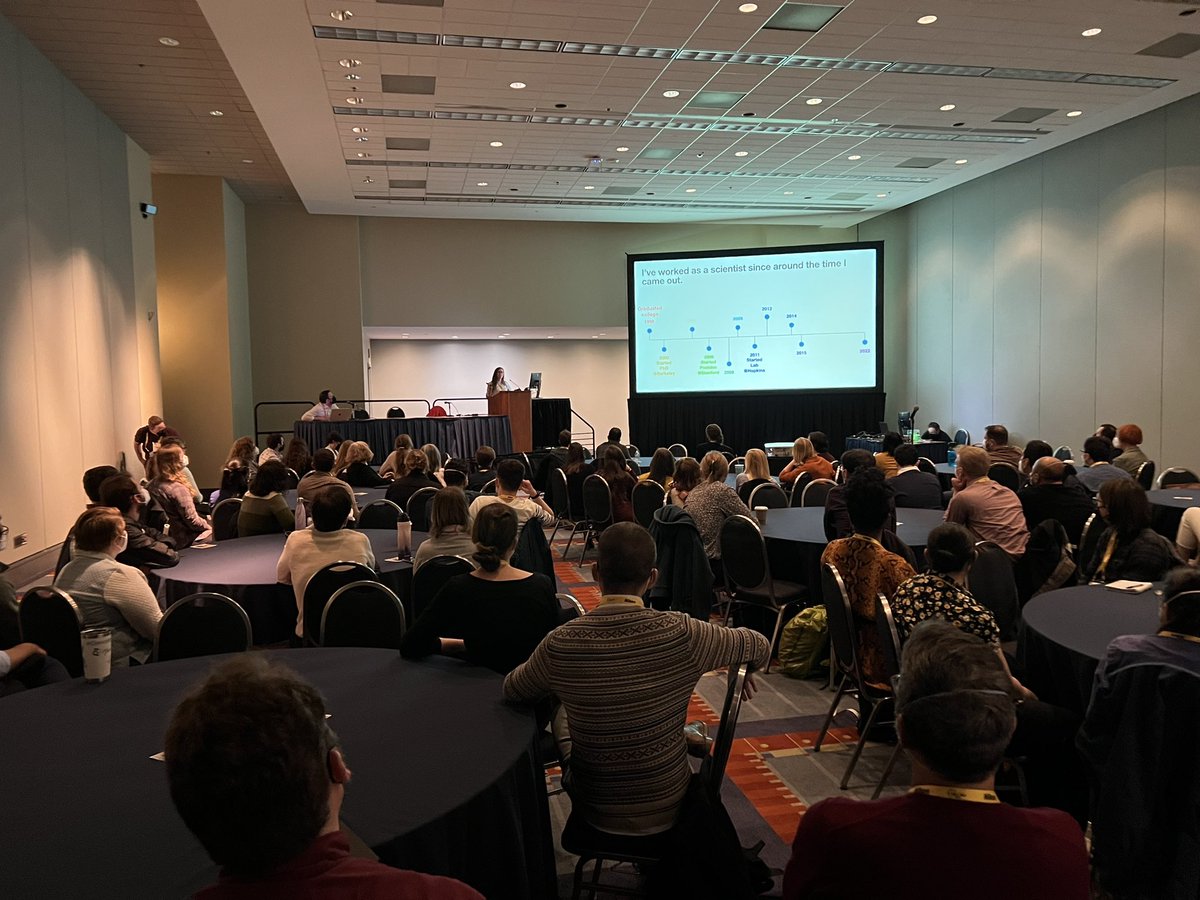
(499, 384)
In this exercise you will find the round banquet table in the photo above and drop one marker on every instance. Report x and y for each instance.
(1064, 634)
(1168, 506)
(446, 778)
(362, 496)
(244, 569)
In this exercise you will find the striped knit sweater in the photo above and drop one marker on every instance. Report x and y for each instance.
(625, 674)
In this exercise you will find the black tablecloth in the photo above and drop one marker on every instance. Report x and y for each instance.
(244, 569)
(550, 416)
(1064, 634)
(446, 778)
(1167, 509)
(458, 436)
(934, 451)
(362, 496)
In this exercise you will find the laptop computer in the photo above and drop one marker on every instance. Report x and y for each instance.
(340, 414)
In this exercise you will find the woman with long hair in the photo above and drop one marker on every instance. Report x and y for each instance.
(171, 489)
(449, 528)
(804, 459)
(434, 457)
(758, 471)
(1128, 547)
(662, 468)
(395, 460)
(494, 616)
(413, 479)
(296, 457)
(712, 501)
(687, 476)
(620, 483)
(577, 469)
(498, 384)
(357, 471)
(263, 510)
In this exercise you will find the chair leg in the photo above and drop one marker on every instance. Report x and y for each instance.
(587, 534)
(577, 882)
(775, 637)
(557, 525)
(886, 772)
(862, 740)
(570, 540)
(837, 698)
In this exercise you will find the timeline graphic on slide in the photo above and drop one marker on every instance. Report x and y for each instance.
(784, 321)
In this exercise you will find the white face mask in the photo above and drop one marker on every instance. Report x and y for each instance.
(144, 495)
(185, 460)
(122, 543)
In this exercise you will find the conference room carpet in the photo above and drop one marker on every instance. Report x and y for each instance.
(773, 776)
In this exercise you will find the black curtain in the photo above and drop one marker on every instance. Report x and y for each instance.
(750, 421)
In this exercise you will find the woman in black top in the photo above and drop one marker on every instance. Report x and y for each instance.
(494, 616)
(577, 470)
(358, 472)
(1128, 548)
(296, 457)
(413, 480)
(620, 483)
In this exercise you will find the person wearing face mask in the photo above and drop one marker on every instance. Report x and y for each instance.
(148, 548)
(170, 488)
(110, 594)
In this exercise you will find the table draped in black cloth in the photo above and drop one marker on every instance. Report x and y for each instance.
(446, 778)
(456, 436)
(1064, 634)
(1167, 506)
(934, 451)
(550, 416)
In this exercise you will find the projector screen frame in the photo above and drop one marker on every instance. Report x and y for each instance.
(632, 258)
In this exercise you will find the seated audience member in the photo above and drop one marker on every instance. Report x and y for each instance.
(989, 510)
(941, 593)
(884, 458)
(170, 489)
(614, 440)
(1131, 458)
(624, 779)
(1139, 744)
(934, 433)
(343, 457)
(577, 469)
(265, 801)
(234, 483)
(866, 567)
(1034, 450)
(687, 476)
(414, 477)
(26, 666)
(612, 468)
(1107, 431)
(805, 459)
(110, 594)
(711, 502)
(1049, 496)
(661, 469)
(321, 409)
(714, 439)
(197, 497)
(912, 488)
(93, 478)
(296, 457)
(510, 483)
(837, 519)
(493, 616)
(358, 472)
(334, 442)
(147, 548)
(1128, 547)
(485, 460)
(999, 450)
(454, 477)
(264, 509)
(820, 442)
(321, 476)
(433, 456)
(395, 460)
(1187, 539)
(449, 528)
(1097, 453)
(758, 471)
(273, 450)
(243, 453)
(311, 549)
(955, 716)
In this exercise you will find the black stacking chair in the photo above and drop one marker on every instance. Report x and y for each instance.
(418, 508)
(925, 464)
(1005, 474)
(962, 436)
(202, 625)
(597, 504)
(559, 498)
(816, 491)
(1177, 475)
(890, 638)
(678, 451)
(647, 497)
(489, 488)
(1145, 475)
(225, 518)
(1088, 539)
(293, 480)
(51, 619)
(380, 514)
(363, 614)
(992, 581)
(430, 578)
(321, 587)
(1064, 453)
(395, 412)
(797, 494)
(770, 495)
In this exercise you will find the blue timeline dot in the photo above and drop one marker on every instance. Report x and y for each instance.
(802, 343)
(754, 346)
(664, 349)
(709, 347)
(864, 342)
(692, 329)
(767, 316)
(729, 363)
(737, 327)
(648, 330)
(791, 324)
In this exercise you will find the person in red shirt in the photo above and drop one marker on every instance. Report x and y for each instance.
(949, 836)
(264, 800)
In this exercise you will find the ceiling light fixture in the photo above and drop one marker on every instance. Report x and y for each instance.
(341, 15)
(788, 193)
(946, 107)
(748, 7)
(215, 112)
(622, 149)
(1074, 113)
(881, 196)
(689, 190)
(496, 144)
(368, 180)
(960, 162)
(168, 42)
(670, 94)
(353, 77)
(814, 101)
(349, 63)
(589, 187)
(481, 184)
(853, 157)
(361, 140)
(742, 153)
(517, 85)
(360, 129)
(1090, 32)
(247, 160)
(926, 20)
(362, 155)
(354, 101)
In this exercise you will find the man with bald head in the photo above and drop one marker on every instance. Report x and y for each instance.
(1051, 495)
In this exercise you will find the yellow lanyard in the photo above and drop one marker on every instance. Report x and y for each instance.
(1108, 552)
(971, 795)
(1182, 637)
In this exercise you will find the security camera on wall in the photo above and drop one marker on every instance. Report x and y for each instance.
(148, 210)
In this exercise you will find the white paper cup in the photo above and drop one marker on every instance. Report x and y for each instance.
(97, 654)
(403, 536)
(760, 513)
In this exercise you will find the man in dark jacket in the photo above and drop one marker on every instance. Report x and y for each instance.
(148, 548)
(911, 487)
(1049, 496)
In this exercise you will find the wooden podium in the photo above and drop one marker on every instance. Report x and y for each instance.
(518, 406)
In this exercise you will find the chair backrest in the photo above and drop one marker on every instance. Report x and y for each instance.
(363, 614)
(489, 487)
(293, 480)
(380, 514)
(816, 491)
(803, 480)
(634, 451)
(889, 636)
(744, 555)
(962, 436)
(557, 493)
(395, 412)
(225, 518)
(569, 606)
(1065, 453)
(1145, 475)
(1177, 475)
(533, 550)
(1005, 474)
(735, 463)
(361, 414)
(768, 494)
(993, 583)
(430, 578)
(840, 620)
(647, 497)
(418, 508)
(202, 625)
(321, 587)
(712, 770)
(51, 619)
(1088, 540)
(678, 451)
(597, 500)
(925, 464)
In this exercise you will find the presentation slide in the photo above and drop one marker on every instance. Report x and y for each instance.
(785, 319)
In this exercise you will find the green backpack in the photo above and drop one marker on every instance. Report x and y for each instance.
(804, 644)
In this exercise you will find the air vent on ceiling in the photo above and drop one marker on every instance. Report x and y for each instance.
(621, 190)
(406, 184)
(921, 162)
(1176, 46)
(1024, 114)
(717, 99)
(846, 195)
(640, 203)
(802, 17)
(408, 143)
(437, 3)
(408, 84)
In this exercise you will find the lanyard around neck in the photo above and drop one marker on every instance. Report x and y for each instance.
(970, 795)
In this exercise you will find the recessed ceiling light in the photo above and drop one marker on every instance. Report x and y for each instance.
(368, 180)
(960, 162)
(622, 149)
(354, 101)
(496, 144)
(481, 184)
(670, 93)
(689, 190)
(926, 20)
(549, 337)
(341, 15)
(349, 63)
(594, 336)
(215, 112)
(603, 334)
(247, 160)
(881, 196)
(788, 193)
(405, 334)
(589, 187)
(353, 77)
(1090, 32)
(854, 156)
(742, 153)
(813, 101)
(946, 107)
(360, 129)
(362, 155)
(168, 42)
(517, 85)
(361, 140)
(1075, 112)
(748, 7)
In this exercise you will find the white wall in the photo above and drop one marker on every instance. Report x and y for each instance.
(1060, 292)
(594, 375)
(73, 354)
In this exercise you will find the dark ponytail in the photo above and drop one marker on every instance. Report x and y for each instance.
(950, 548)
(495, 535)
